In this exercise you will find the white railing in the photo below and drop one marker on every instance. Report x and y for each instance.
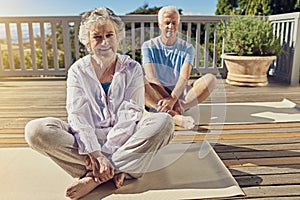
(34, 45)
(45, 53)
(287, 66)
(29, 47)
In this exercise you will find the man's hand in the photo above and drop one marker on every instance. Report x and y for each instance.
(103, 170)
(166, 104)
(178, 108)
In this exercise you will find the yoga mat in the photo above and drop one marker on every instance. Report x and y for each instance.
(27, 175)
(245, 113)
(192, 171)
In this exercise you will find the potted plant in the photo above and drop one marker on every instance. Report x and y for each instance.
(250, 47)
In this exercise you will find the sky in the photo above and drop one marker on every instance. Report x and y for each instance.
(120, 7)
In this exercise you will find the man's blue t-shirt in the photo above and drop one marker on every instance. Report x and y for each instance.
(167, 60)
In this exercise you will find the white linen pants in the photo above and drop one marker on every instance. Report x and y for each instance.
(50, 137)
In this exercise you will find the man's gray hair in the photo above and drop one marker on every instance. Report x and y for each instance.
(163, 10)
(99, 16)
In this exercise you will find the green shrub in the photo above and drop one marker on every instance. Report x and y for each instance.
(249, 36)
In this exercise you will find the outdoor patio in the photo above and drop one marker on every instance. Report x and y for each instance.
(264, 158)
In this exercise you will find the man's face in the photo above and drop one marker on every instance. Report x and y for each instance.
(169, 25)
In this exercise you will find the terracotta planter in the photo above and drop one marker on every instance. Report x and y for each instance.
(247, 70)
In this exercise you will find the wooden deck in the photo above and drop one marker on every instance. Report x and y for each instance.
(263, 158)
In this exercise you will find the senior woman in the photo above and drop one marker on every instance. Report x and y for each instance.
(108, 135)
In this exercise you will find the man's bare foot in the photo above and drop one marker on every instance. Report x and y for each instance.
(119, 179)
(184, 121)
(81, 187)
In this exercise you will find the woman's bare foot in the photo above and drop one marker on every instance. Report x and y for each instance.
(119, 179)
(82, 187)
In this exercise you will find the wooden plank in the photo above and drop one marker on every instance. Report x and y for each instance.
(266, 170)
(28, 112)
(12, 131)
(36, 115)
(14, 145)
(251, 126)
(234, 163)
(258, 131)
(262, 147)
(219, 137)
(257, 142)
(13, 127)
(15, 135)
(39, 102)
(267, 180)
(264, 141)
(273, 191)
(11, 141)
(38, 107)
(252, 154)
(17, 122)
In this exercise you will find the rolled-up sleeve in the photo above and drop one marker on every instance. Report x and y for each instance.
(190, 55)
(130, 110)
(147, 54)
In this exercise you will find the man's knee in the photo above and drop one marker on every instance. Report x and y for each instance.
(211, 81)
(208, 80)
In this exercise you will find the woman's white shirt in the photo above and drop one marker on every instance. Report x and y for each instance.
(99, 121)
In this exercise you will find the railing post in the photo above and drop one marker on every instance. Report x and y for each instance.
(66, 42)
(296, 61)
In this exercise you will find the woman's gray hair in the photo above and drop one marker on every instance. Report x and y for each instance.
(163, 10)
(99, 16)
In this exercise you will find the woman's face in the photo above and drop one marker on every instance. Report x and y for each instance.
(103, 40)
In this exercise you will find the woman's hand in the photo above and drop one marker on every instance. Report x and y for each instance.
(103, 170)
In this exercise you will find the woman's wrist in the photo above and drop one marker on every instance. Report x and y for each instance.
(96, 154)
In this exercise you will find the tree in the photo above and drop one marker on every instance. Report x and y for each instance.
(226, 7)
(284, 6)
(297, 6)
(258, 7)
(145, 10)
